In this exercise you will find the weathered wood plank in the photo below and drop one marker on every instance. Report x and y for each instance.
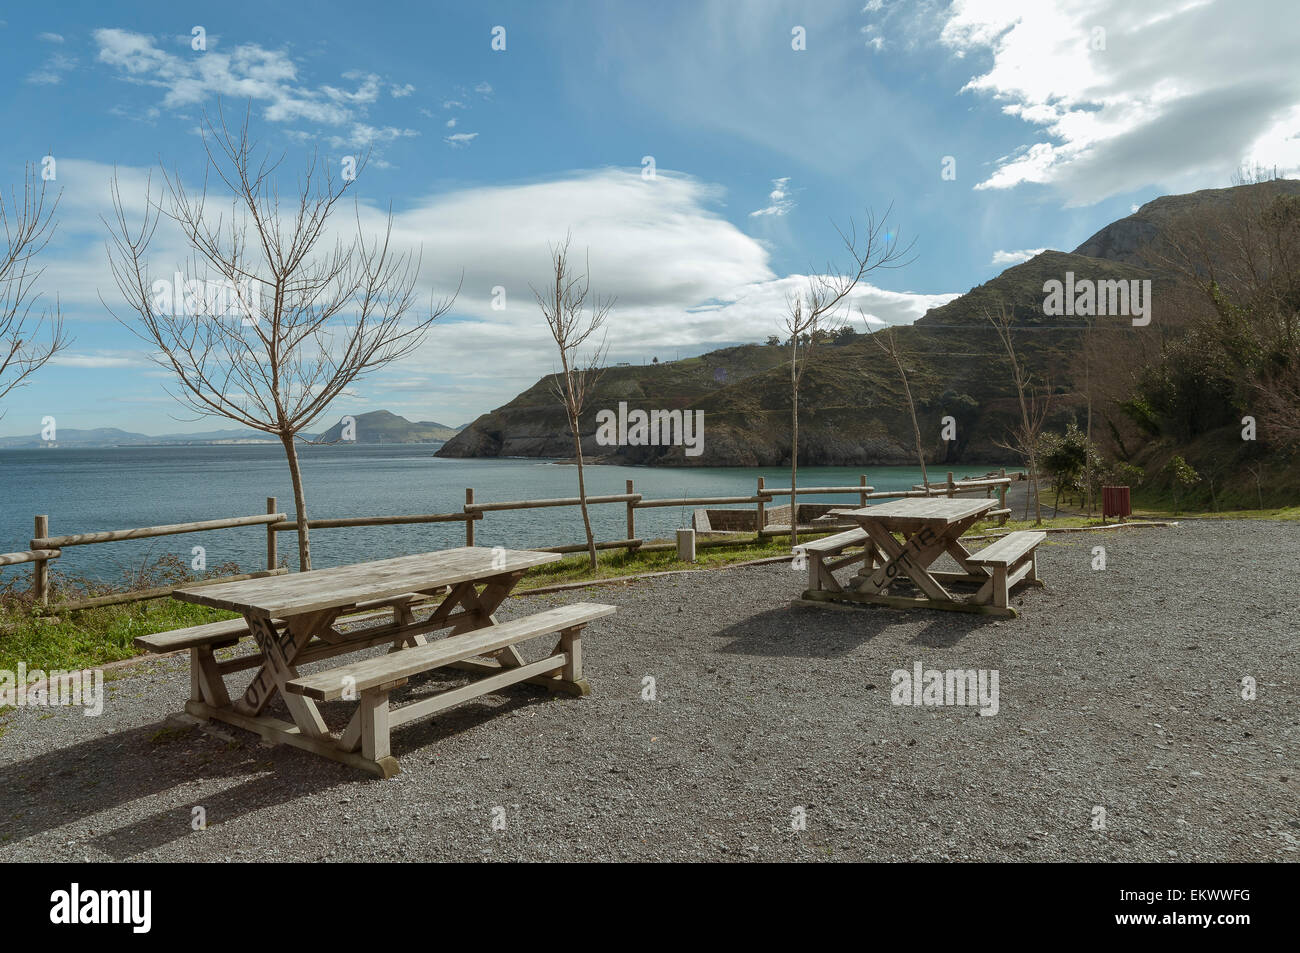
(343, 586)
(361, 675)
(282, 732)
(484, 686)
(216, 634)
(833, 545)
(146, 532)
(1008, 550)
(535, 504)
(910, 513)
(30, 556)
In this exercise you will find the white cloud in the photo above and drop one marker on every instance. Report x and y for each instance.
(50, 37)
(247, 72)
(779, 201)
(451, 123)
(362, 135)
(460, 139)
(98, 359)
(401, 92)
(684, 276)
(1007, 258)
(50, 73)
(1173, 93)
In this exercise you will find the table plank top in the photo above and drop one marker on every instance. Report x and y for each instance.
(918, 511)
(281, 597)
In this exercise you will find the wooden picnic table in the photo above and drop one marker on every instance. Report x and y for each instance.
(903, 538)
(292, 619)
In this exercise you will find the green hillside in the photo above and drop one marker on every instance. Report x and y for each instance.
(851, 407)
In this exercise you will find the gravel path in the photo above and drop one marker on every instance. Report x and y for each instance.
(1117, 690)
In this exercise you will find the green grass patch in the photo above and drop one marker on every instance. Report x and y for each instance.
(90, 637)
(614, 563)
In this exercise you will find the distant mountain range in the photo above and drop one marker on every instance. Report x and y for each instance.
(381, 426)
(376, 427)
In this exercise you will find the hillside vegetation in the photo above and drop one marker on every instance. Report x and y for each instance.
(1148, 387)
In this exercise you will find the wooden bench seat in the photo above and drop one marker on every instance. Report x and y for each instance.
(819, 551)
(1008, 550)
(213, 634)
(834, 545)
(1011, 559)
(228, 632)
(370, 681)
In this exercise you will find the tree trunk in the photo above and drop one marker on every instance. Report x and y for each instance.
(794, 468)
(1038, 496)
(1087, 433)
(916, 431)
(582, 494)
(299, 502)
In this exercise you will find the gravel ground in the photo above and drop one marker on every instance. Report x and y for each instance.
(1117, 690)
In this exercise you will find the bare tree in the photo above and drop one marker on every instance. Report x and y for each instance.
(811, 314)
(888, 341)
(1035, 404)
(572, 321)
(27, 341)
(308, 319)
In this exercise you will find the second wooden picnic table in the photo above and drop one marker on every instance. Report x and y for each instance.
(902, 539)
(292, 619)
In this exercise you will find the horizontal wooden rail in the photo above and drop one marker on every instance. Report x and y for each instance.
(139, 595)
(535, 504)
(582, 547)
(964, 484)
(806, 490)
(701, 501)
(289, 526)
(109, 536)
(31, 556)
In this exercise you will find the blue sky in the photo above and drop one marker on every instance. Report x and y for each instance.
(1055, 129)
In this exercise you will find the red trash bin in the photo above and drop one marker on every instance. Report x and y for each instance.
(1115, 502)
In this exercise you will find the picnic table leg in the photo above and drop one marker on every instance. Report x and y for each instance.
(206, 683)
(374, 725)
(403, 615)
(571, 645)
(483, 605)
(961, 555)
(1001, 597)
(278, 654)
(910, 558)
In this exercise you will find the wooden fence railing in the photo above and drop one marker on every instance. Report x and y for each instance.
(45, 548)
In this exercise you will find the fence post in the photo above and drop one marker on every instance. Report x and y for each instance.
(631, 517)
(1002, 499)
(41, 567)
(686, 545)
(272, 557)
(469, 523)
(952, 490)
(761, 517)
(862, 497)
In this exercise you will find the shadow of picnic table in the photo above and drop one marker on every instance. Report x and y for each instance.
(77, 782)
(71, 784)
(814, 632)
